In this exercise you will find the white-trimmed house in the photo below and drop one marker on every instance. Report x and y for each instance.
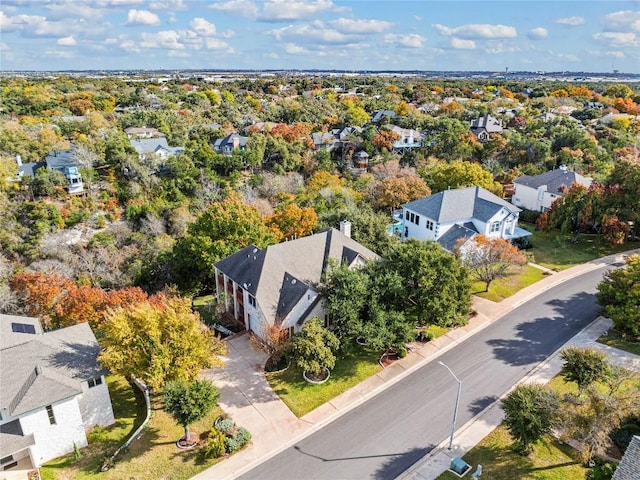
(484, 127)
(51, 391)
(278, 285)
(538, 192)
(154, 146)
(451, 215)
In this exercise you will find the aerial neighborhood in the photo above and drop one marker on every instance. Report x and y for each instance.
(172, 242)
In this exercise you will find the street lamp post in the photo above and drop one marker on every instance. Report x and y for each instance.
(455, 410)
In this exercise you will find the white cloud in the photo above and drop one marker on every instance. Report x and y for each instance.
(241, 8)
(64, 10)
(622, 21)
(168, 5)
(460, 44)
(476, 31)
(165, 39)
(287, 10)
(569, 57)
(355, 26)
(316, 31)
(293, 49)
(608, 53)
(538, 33)
(59, 54)
(178, 54)
(410, 40)
(203, 27)
(142, 17)
(217, 44)
(571, 21)
(67, 41)
(618, 39)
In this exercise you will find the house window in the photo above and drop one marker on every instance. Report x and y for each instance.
(429, 225)
(417, 219)
(495, 227)
(94, 382)
(290, 332)
(252, 300)
(406, 215)
(413, 218)
(52, 417)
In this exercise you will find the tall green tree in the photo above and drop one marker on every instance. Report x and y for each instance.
(619, 294)
(531, 411)
(584, 366)
(441, 176)
(313, 348)
(224, 228)
(158, 341)
(189, 402)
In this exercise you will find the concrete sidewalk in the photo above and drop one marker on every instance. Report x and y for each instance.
(248, 399)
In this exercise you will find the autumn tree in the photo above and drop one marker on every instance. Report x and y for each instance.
(394, 191)
(40, 293)
(383, 140)
(159, 341)
(293, 221)
(489, 258)
(442, 176)
(619, 294)
(189, 402)
(531, 411)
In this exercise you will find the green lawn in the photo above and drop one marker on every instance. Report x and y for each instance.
(550, 460)
(302, 397)
(206, 307)
(555, 251)
(152, 455)
(505, 287)
(616, 341)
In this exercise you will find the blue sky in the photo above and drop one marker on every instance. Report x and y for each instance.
(593, 36)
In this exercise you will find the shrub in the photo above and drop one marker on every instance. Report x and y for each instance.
(238, 440)
(98, 434)
(402, 352)
(216, 444)
(226, 425)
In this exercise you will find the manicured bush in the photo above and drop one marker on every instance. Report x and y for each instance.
(238, 440)
(216, 444)
(226, 425)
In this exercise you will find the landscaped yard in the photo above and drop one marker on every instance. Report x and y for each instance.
(550, 460)
(205, 306)
(302, 397)
(554, 250)
(614, 340)
(153, 455)
(505, 287)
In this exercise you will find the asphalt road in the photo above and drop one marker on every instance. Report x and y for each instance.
(387, 434)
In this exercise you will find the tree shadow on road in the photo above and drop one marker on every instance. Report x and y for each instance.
(479, 404)
(532, 338)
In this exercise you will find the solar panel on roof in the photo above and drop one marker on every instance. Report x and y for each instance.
(23, 328)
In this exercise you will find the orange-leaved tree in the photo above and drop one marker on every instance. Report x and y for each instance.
(489, 258)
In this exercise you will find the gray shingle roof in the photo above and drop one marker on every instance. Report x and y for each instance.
(629, 467)
(487, 123)
(268, 273)
(42, 368)
(12, 438)
(555, 180)
(460, 204)
(450, 238)
(59, 159)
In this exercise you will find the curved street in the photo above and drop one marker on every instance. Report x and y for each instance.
(384, 436)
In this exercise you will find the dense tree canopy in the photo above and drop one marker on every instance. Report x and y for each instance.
(619, 294)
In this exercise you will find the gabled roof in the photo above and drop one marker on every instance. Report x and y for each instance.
(153, 145)
(59, 159)
(450, 238)
(379, 115)
(460, 204)
(279, 275)
(556, 180)
(629, 466)
(44, 367)
(220, 143)
(488, 123)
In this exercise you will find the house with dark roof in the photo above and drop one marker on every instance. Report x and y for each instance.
(279, 284)
(65, 161)
(484, 127)
(51, 391)
(449, 216)
(383, 116)
(154, 146)
(230, 144)
(538, 192)
(629, 466)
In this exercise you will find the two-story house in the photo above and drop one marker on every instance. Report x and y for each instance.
(278, 285)
(51, 391)
(538, 192)
(65, 161)
(451, 215)
(157, 146)
(230, 143)
(484, 127)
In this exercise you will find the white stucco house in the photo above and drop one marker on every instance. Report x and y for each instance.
(451, 215)
(52, 391)
(538, 192)
(278, 285)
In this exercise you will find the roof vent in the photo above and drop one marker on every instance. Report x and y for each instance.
(255, 250)
(293, 281)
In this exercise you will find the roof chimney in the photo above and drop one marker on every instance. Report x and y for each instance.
(563, 168)
(19, 160)
(345, 228)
